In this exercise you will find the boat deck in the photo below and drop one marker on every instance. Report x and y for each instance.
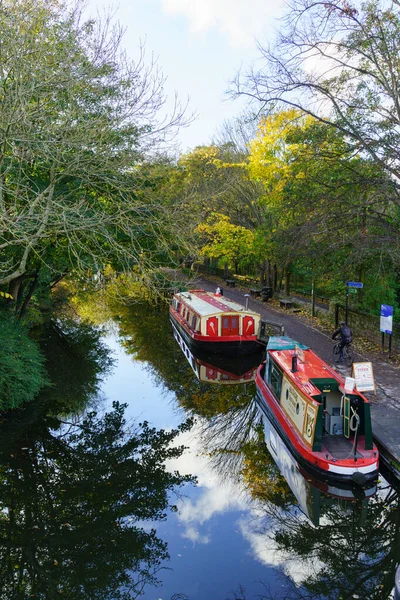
(340, 447)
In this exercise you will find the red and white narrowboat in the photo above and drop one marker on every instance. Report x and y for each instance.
(326, 427)
(212, 321)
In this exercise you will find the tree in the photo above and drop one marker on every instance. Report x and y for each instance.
(235, 245)
(322, 201)
(77, 119)
(338, 63)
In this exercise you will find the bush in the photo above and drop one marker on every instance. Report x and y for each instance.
(22, 373)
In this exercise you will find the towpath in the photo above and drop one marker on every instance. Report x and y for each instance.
(385, 404)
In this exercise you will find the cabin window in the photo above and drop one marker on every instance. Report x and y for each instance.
(194, 321)
(274, 378)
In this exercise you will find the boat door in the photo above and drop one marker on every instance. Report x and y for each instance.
(230, 325)
(346, 417)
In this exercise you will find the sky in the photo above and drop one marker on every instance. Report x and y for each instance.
(200, 46)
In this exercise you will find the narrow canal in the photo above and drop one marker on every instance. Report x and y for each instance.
(142, 472)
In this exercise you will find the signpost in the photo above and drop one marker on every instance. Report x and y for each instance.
(353, 285)
(386, 325)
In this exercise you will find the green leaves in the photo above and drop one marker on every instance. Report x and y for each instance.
(22, 373)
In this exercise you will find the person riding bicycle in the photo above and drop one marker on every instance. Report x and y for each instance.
(346, 337)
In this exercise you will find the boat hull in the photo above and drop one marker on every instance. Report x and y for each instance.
(321, 469)
(232, 348)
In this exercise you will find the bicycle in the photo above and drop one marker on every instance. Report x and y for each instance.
(348, 356)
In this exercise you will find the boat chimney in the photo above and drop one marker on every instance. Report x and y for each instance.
(294, 363)
(247, 296)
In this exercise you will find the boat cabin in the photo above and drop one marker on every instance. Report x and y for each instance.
(213, 315)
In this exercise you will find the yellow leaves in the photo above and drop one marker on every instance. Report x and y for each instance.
(5, 295)
(271, 152)
(224, 239)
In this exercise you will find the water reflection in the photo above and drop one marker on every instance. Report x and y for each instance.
(217, 368)
(83, 498)
(76, 492)
(327, 542)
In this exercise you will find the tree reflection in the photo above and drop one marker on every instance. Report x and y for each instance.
(74, 496)
(354, 551)
(76, 361)
(346, 558)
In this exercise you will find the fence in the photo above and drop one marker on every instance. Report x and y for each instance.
(365, 324)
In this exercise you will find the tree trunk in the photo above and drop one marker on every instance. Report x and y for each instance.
(275, 278)
(262, 275)
(29, 295)
(281, 280)
(268, 277)
(13, 288)
(287, 280)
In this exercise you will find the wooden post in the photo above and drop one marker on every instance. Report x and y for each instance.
(313, 297)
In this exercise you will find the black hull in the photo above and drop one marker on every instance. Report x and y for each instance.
(321, 474)
(231, 349)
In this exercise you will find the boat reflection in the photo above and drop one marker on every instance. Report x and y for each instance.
(311, 493)
(218, 368)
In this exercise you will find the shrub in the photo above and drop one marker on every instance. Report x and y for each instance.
(22, 373)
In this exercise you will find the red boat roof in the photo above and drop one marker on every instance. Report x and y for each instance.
(206, 303)
(309, 367)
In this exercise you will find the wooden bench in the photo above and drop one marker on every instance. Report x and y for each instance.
(254, 292)
(230, 282)
(286, 304)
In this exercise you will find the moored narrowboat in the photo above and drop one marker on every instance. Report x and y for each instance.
(326, 427)
(212, 321)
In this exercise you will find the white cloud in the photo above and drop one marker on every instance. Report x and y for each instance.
(240, 21)
(213, 497)
(192, 534)
(213, 500)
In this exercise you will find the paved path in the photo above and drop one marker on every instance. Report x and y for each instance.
(385, 404)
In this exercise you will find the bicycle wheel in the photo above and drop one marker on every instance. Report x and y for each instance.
(336, 352)
(348, 356)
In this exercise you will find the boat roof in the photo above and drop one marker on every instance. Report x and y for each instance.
(311, 371)
(282, 342)
(206, 303)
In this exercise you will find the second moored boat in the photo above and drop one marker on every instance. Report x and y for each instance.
(214, 322)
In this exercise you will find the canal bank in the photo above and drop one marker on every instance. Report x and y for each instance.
(385, 403)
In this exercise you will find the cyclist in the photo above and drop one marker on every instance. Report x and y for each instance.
(346, 337)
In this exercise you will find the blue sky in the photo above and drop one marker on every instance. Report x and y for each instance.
(200, 45)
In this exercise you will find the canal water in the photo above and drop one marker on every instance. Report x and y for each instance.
(143, 472)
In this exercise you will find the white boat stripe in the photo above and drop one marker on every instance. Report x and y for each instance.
(347, 470)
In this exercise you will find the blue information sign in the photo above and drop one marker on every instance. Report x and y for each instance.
(355, 284)
(386, 325)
